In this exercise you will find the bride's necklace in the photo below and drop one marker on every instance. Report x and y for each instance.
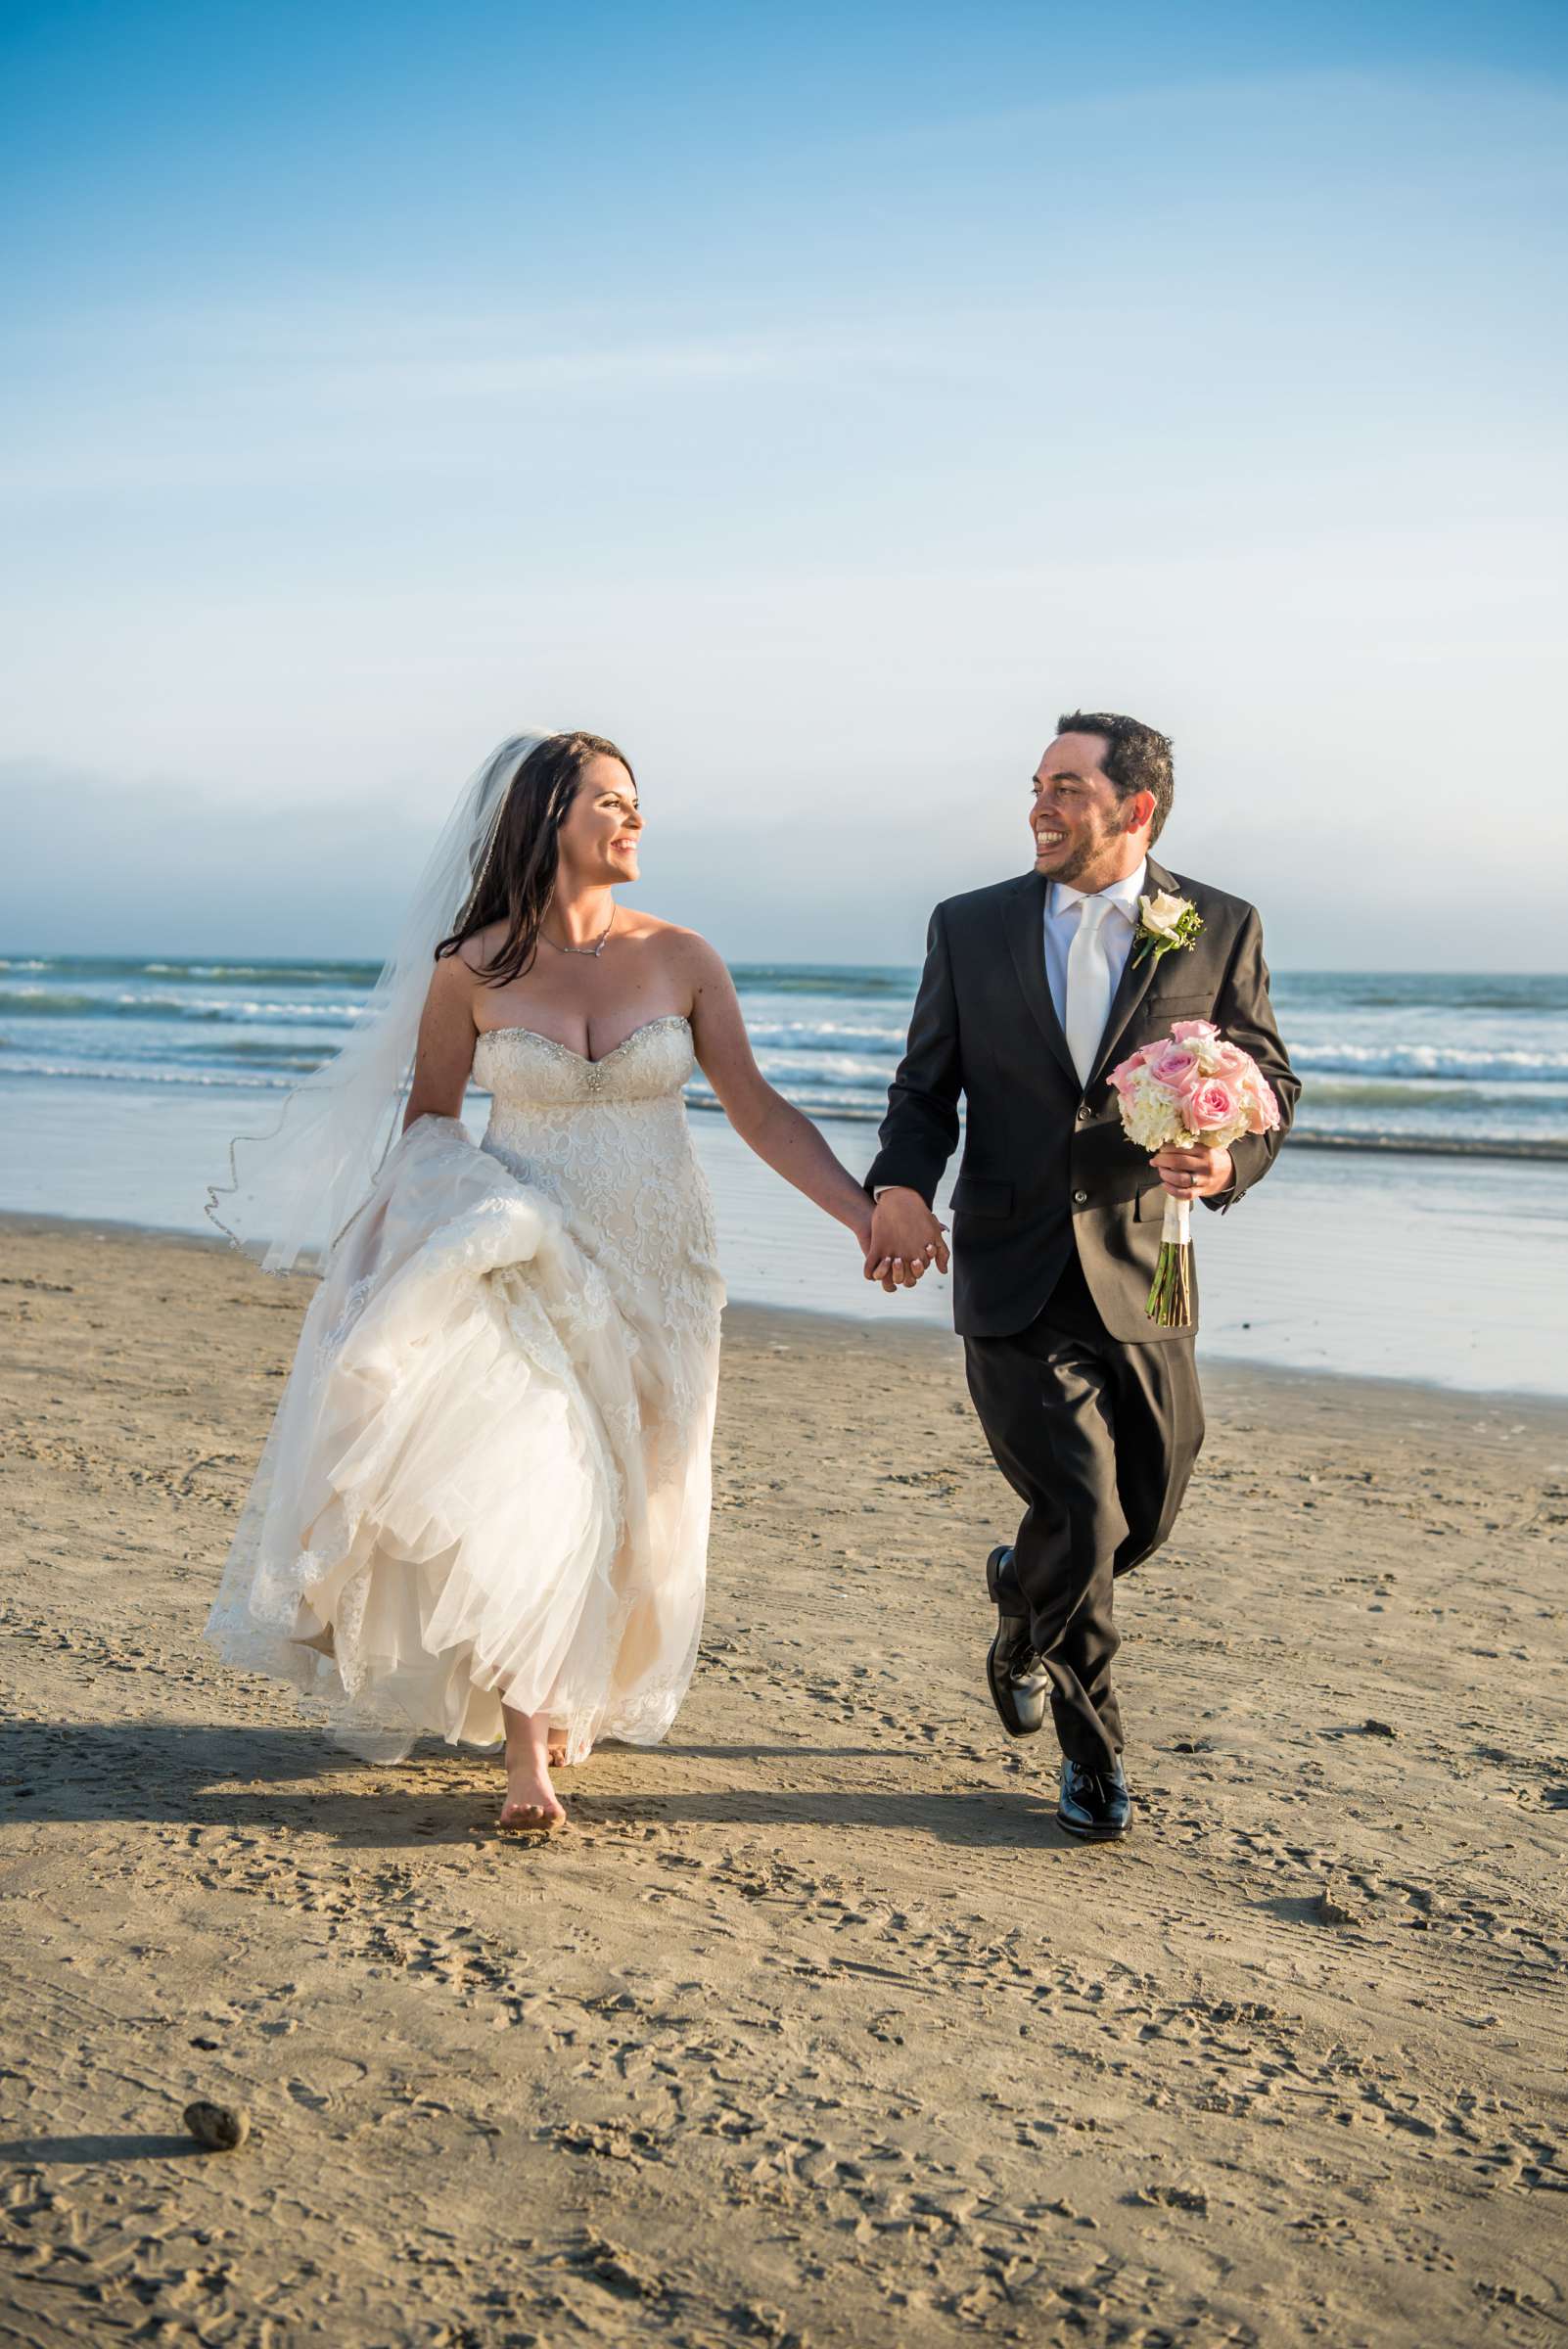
(595, 949)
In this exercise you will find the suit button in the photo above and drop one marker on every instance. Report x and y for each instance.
(1080, 1198)
(1085, 1113)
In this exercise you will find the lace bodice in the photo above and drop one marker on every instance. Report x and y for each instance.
(608, 1142)
(521, 1068)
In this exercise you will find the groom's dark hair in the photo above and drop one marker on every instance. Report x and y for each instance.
(1136, 759)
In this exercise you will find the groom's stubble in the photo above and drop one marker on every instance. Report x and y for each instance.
(1094, 864)
(1075, 798)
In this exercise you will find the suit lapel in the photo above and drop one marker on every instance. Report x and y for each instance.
(1024, 923)
(1136, 981)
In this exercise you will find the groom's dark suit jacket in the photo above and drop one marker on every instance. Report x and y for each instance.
(1045, 1164)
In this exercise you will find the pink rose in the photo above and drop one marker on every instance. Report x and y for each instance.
(1211, 1103)
(1182, 1029)
(1230, 1060)
(1264, 1103)
(1171, 1063)
(1126, 1073)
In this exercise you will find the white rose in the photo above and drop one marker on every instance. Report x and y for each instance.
(1163, 913)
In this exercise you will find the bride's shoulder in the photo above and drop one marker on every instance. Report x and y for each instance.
(469, 959)
(683, 959)
(455, 975)
(665, 937)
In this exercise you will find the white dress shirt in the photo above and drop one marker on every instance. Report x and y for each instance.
(1121, 925)
(1061, 920)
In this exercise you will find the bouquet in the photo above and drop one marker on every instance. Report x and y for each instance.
(1189, 1088)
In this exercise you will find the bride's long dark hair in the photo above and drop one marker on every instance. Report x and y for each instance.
(516, 877)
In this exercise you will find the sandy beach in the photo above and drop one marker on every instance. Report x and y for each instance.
(813, 2029)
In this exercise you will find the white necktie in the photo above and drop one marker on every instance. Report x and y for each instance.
(1089, 986)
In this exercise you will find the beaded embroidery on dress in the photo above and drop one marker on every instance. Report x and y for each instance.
(490, 1469)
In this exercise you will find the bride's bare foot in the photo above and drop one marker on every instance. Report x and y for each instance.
(531, 1802)
(557, 1749)
(531, 1799)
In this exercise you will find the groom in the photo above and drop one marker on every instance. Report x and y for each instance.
(1032, 990)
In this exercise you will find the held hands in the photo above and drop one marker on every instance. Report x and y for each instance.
(1196, 1173)
(905, 1241)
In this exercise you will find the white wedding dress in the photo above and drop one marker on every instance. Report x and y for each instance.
(488, 1474)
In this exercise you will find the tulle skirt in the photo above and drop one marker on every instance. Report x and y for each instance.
(487, 1477)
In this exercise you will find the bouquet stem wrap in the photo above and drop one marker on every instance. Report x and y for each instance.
(1171, 1298)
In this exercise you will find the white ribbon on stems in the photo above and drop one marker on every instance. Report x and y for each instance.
(1176, 1231)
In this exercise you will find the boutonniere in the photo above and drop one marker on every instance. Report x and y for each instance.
(1164, 922)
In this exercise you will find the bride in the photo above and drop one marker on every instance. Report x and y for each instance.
(482, 1509)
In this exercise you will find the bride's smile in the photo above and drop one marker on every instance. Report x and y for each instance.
(600, 831)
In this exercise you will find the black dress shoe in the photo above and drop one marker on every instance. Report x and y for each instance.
(1093, 1803)
(1019, 1685)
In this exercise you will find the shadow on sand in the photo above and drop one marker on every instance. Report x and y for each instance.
(214, 1774)
(36, 2152)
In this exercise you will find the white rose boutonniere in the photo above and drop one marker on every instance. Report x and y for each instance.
(1165, 921)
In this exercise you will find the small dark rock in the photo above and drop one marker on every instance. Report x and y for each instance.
(217, 2127)
(1378, 1729)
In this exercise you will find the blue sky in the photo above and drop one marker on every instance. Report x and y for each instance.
(817, 400)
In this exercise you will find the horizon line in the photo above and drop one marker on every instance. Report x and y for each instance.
(218, 957)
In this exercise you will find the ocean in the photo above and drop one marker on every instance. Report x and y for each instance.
(1401, 1060)
(1421, 1233)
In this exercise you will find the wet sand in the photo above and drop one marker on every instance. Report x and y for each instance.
(812, 2028)
(1372, 1263)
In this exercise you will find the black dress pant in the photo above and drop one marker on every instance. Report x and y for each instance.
(1098, 1440)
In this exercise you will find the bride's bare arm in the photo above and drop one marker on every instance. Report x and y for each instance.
(444, 1054)
(778, 1132)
